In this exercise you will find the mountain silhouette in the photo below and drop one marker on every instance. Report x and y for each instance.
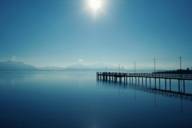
(15, 65)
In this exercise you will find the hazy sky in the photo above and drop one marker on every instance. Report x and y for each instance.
(63, 32)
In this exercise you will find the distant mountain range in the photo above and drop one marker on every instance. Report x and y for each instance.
(14, 65)
(72, 68)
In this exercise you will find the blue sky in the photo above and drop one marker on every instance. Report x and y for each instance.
(63, 32)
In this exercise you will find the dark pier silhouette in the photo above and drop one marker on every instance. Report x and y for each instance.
(144, 81)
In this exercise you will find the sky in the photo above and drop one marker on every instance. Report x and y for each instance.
(66, 32)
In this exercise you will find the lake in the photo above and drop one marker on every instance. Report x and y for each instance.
(74, 99)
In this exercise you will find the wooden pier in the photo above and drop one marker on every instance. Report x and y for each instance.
(145, 80)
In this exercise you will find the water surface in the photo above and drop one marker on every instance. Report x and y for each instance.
(60, 99)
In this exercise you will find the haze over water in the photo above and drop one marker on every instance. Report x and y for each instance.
(47, 99)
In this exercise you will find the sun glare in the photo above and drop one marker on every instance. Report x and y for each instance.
(95, 6)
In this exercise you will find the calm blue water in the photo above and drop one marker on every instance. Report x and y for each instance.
(56, 99)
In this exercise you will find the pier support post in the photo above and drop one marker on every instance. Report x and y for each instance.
(150, 82)
(155, 83)
(169, 84)
(120, 79)
(165, 84)
(183, 86)
(138, 81)
(179, 86)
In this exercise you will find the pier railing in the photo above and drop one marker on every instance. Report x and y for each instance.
(148, 75)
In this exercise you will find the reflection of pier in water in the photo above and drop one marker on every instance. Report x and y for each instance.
(143, 81)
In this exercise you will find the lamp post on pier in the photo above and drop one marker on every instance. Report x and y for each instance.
(155, 64)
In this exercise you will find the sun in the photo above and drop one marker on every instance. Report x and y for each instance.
(95, 6)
